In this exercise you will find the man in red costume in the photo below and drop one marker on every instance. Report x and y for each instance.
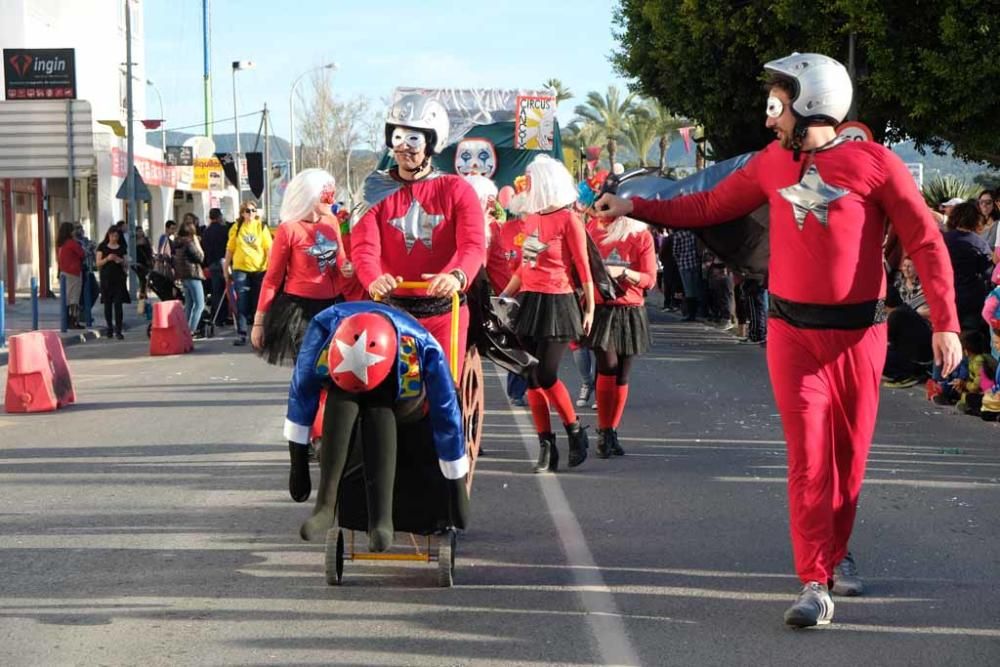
(421, 224)
(829, 200)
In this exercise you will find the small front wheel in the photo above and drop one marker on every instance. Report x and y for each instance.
(446, 559)
(334, 556)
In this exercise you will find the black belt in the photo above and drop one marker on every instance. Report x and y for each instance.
(421, 307)
(822, 316)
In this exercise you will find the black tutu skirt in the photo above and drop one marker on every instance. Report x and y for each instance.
(620, 329)
(285, 325)
(548, 317)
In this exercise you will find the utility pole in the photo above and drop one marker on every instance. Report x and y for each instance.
(130, 150)
(206, 49)
(267, 165)
(852, 114)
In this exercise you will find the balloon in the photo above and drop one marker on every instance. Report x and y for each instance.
(506, 192)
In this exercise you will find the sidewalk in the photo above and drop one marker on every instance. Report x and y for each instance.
(18, 320)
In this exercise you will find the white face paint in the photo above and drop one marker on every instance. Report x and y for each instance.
(413, 140)
(476, 156)
(775, 107)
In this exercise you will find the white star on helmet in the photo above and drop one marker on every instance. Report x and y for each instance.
(356, 359)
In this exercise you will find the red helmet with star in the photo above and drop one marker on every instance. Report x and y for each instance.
(362, 352)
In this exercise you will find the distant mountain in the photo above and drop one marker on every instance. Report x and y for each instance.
(940, 165)
(226, 143)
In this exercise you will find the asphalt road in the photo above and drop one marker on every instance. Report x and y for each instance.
(150, 524)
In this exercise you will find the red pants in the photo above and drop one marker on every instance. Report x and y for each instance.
(826, 385)
(439, 326)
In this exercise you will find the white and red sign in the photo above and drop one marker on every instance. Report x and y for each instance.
(855, 131)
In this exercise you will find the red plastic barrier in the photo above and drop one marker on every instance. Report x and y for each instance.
(38, 375)
(169, 333)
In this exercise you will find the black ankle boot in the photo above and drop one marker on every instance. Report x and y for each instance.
(613, 446)
(692, 310)
(603, 449)
(577, 444)
(548, 455)
(299, 484)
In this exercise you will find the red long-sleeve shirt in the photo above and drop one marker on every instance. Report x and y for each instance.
(835, 263)
(552, 241)
(349, 288)
(504, 254)
(435, 225)
(305, 256)
(635, 252)
(70, 257)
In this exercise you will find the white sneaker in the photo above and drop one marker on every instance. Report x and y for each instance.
(584, 396)
(814, 607)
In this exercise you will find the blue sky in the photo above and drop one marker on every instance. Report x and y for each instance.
(378, 44)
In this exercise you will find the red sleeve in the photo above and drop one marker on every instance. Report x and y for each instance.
(470, 232)
(366, 249)
(737, 195)
(919, 233)
(576, 235)
(277, 264)
(78, 251)
(647, 261)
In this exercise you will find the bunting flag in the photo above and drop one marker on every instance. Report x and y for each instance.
(255, 173)
(686, 136)
(229, 168)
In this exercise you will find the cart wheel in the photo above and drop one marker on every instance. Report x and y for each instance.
(334, 556)
(446, 559)
(472, 398)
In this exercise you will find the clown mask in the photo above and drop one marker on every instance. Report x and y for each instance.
(476, 156)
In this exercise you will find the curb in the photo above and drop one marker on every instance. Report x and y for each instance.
(76, 337)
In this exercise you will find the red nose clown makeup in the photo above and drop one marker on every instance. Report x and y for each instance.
(404, 138)
(775, 107)
(329, 194)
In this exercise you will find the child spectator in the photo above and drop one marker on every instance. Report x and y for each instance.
(991, 313)
(981, 365)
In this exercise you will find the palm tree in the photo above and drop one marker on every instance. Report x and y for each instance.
(665, 123)
(611, 112)
(561, 91)
(581, 134)
(640, 133)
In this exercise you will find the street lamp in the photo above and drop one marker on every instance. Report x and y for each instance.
(237, 66)
(291, 108)
(163, 124)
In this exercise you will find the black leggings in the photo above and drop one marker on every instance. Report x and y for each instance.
(549, 354)
(119, 313)
(610, 363)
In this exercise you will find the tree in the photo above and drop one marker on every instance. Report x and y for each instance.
(665, 123)
(924, 70)
(331, 130)
(562, 93)
(610, 111)
(640, 134)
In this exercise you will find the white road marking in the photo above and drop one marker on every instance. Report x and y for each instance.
(603, 615)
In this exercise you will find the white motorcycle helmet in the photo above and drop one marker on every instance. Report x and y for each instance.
(823, 88)
(419, 113)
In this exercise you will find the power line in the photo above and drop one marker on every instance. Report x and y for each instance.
(217, 120)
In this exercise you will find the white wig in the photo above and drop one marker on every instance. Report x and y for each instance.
(484, 187)
(303, 193)
(550, 185)
(622, 228)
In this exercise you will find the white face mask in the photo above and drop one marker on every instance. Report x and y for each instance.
(413, 140)
(775, 107)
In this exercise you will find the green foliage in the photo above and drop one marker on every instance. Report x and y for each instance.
(947, 187)
(560, 90)
(988, 181)
(925, 69)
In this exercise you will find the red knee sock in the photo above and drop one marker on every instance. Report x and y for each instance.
(559, 397)
(607, 396)
(539, 405)
(622, 396)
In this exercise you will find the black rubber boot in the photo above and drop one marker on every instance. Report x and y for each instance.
(692, 310)
(577, 444)
(548, 454)
(613, 445)
(603, 449)
(299, 484)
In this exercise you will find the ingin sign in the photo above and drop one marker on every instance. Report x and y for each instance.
(39, 74)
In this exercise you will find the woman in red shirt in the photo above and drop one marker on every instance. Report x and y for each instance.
(621, 326)
(549, 316)
(70, 256)
(306, 263)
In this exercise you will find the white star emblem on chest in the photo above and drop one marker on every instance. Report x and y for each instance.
(416, 225)
(356, 359)
(812, 195)
(324, 250)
